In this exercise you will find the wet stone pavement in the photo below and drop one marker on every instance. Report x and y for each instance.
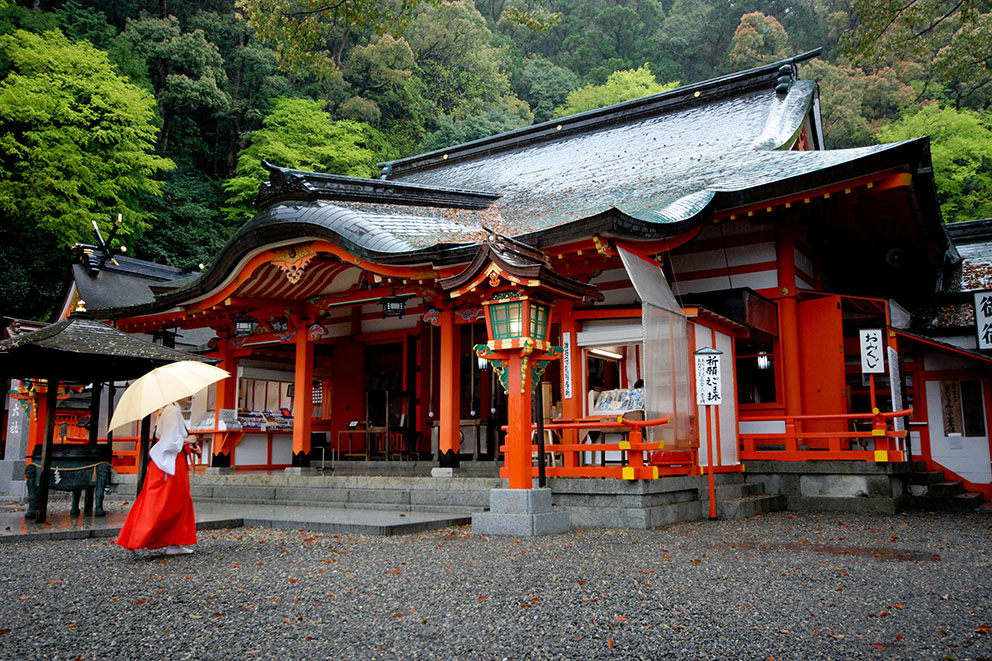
(778, 586)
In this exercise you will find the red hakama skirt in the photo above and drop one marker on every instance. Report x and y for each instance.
(162, 514)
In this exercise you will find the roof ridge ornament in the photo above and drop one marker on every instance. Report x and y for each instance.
(505, 245)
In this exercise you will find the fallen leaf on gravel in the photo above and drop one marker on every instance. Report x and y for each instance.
(836, 636)
(482, 597)
(3, 631)
(610, 643)
(620, 618)
(196, 617)
(784, 631)
(984, 629)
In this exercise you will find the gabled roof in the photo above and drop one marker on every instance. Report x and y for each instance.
(106, 284)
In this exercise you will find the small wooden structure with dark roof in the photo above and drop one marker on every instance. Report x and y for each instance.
(80, 350)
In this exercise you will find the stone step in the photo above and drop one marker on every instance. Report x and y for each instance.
(360, 492)
(961, 502)
(946, 488)
(925, 477)
(741, 508)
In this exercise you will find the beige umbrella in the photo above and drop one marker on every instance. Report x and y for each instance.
(162, 386)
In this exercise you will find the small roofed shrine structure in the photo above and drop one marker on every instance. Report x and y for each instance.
(710, 217)
(76, 351)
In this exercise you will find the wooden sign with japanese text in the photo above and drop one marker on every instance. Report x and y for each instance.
(708, 379)
(872, 352)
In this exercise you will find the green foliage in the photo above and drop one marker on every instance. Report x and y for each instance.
(187, 229)
(961, 148)
(300, 134)
(953, 40)
(536, 20)
(76, 138)
(463, 74)
(495, 120)
(186, 70)
(545, 86)
(758, 39)
(309, 35)
(600, 38)
(619, 87)
(32, 269)
(853, 104)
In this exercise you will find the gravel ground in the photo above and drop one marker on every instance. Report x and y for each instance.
(778, 586)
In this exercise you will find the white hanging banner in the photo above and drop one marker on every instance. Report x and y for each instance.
(566, 365)
(872, 352)
(708, 379)
(983, 319)
(895, 387)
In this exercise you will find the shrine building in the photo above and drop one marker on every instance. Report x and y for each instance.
(699, 286)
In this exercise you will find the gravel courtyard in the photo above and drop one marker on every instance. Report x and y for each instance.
(779, 586)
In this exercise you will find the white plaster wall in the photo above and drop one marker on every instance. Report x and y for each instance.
(967, 456)
(252, 450)
(758, 280)
(718, 259)
(282, 449)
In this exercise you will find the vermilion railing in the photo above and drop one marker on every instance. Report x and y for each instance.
(632, 466)
(797, 443)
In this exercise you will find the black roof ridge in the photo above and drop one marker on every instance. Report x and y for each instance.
(970, 229)
(591, 119)
(291, 184)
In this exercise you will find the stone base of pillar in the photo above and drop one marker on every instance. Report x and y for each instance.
(448, 459)
(521, 513)
(439, 471)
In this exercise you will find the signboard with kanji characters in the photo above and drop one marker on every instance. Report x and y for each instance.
(872, 352)
(708, 378)
(983, 319)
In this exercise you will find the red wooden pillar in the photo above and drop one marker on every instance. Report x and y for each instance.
(227, 391)
(571, 407)
(518, 459)
(303, 397)
(788, 321)
(450, 392)
(39, 414)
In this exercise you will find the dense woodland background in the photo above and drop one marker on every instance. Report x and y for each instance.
(161, 111)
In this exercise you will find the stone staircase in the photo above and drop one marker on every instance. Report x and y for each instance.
(394, 486)
(366, 492)
(931, 490)
(737, 499)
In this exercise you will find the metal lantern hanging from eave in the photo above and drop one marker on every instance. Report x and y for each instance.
(244, 325)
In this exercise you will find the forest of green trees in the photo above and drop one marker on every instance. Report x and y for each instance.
(161, 112)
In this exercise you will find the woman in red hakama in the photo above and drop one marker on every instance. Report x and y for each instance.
(162, 514)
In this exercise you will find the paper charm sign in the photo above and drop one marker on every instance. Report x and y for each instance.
(872, 352)
(708, 377)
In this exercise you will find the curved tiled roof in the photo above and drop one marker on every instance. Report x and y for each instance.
(645, 169)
